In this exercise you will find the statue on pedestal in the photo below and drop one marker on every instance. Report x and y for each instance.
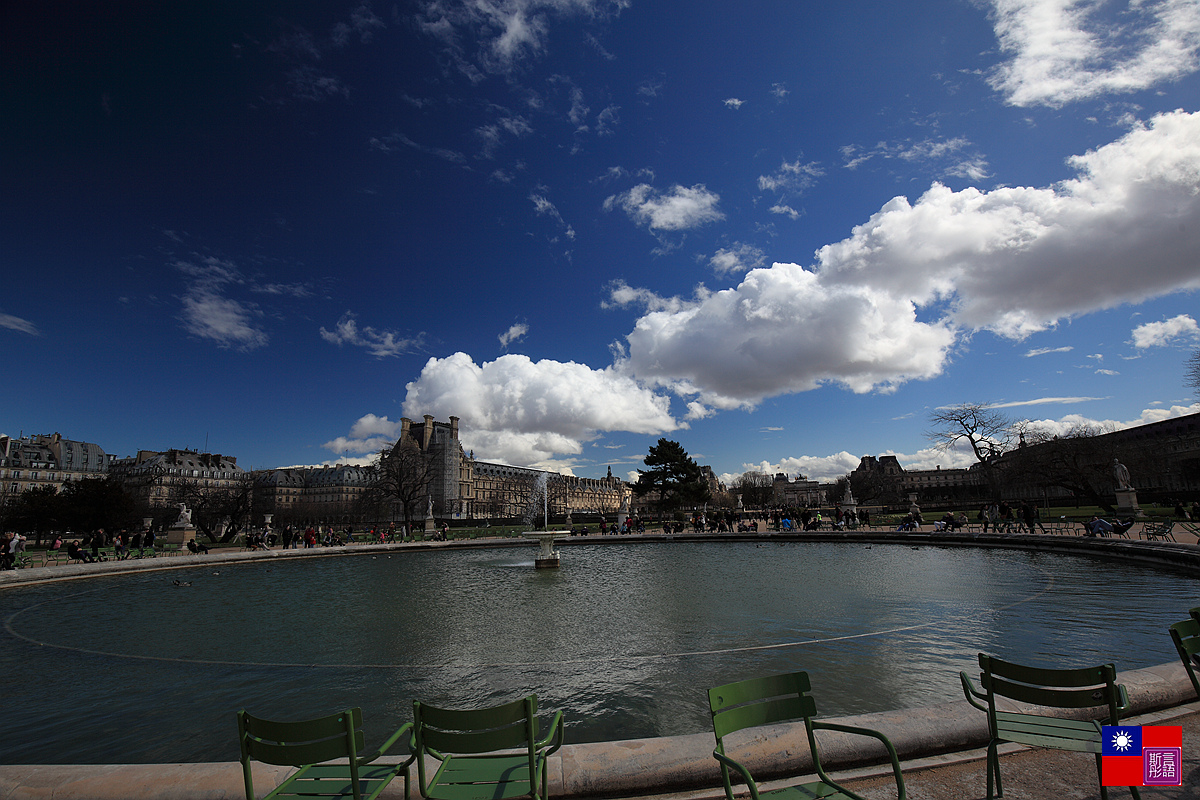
(1121, 474)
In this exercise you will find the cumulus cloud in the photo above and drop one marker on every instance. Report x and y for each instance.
(734, 103)
(380, 343)
(1064, 425)
(888, 303)
(738, 258)
(515, 333)
(524, 412)
(679, 209)
(369, 434)
(814, 468)
(1158, 334)
(782, 330)
(18, 324)
(1060, 51)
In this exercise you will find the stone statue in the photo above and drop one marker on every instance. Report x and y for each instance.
(1121, 474)
(185, 517)
(429, 508)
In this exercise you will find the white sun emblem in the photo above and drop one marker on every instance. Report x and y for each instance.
(1122, 740)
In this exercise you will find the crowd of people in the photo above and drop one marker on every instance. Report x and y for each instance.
(998, 516)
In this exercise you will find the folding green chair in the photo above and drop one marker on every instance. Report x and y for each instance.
(779, 698)
(308, 745)
(1082, 688)
(485, 753)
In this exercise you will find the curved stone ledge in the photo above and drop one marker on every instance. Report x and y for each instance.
(633, 767)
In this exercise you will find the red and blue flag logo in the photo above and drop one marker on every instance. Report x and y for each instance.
(1137, 755)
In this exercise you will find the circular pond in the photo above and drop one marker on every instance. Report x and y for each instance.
(624, 638)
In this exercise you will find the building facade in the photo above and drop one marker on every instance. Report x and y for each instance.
(155, 478)
(47, 460)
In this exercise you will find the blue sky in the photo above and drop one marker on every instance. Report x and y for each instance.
(779, 233)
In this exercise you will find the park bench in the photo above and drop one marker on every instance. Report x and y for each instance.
(1047, 693)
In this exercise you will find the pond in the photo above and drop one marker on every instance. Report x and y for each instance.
(625, 638)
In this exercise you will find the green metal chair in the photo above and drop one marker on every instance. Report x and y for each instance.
(1082, 688)
(485, 753)
(308, 745)
(1186, 636)
(773, 699)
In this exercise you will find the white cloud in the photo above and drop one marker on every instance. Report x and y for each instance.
(369, 434)
(515, 333)
(791, 178)
(887, 304)
(1016, 259)
(679, 209)
(734, 103)
(18, 324)
(814, 468)
(1159, 334)
(1041, 351)
(738, 258)
(380, 343)
(1043, 401)
(1061, 51)
(786, 210)
(523, 412)
(944, 157)
(781, 330)
(502, 32)
(228, 322)
(1064, 425)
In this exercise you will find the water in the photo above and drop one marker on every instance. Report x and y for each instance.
(624, 638)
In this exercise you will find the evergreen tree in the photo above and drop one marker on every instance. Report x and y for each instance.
(673, 478)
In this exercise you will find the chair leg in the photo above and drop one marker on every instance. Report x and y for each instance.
(993, 769)
(1100, 777)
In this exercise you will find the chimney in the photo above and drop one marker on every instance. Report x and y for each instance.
(454, 428)
(427, 435)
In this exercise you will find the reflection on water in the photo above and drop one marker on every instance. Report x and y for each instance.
(624, 638)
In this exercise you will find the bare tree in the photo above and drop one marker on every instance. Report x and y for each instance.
(402, 476)
(756, 489)
(1191, 373)
(988, 432)
(1079, 461)
(218, 512)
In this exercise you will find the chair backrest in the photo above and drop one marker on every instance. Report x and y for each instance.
(298, 743)
(760, 701)
(1186, 636)
(1083, 687)
(479, 730)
